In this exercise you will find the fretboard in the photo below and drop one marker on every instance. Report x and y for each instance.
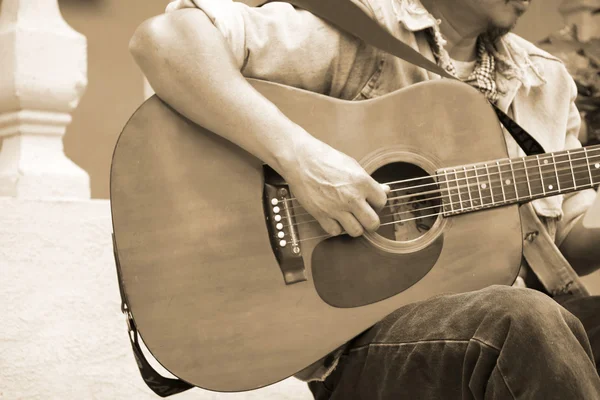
(497, 183)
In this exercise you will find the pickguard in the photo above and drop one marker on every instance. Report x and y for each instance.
(350, 272)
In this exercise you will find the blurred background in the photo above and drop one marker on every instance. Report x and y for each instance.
(115, 84)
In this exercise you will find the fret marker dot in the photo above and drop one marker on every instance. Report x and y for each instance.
(545, 162)
(550, 187)
(596, 165)
(483, 186)
(507, 181)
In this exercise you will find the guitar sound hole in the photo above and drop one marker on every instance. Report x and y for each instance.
(414, 202)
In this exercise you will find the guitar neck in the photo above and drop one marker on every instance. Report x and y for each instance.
(507, 181)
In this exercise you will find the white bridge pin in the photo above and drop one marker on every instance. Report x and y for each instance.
(274, 202)
(282, 243)
(279, 226)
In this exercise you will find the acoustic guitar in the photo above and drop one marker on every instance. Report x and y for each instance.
(234, 286)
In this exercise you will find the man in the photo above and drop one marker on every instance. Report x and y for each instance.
(500, 342)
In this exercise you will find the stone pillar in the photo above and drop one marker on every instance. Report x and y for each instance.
(43, 74)
(581, 13)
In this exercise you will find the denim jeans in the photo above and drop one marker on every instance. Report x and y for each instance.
(495, 343)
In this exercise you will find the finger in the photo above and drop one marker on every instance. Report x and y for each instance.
(366, 216)
(350, 224)
(377, 196)
(331, 226)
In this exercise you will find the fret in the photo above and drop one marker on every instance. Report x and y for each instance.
(463, 190)
(587, 161)
(567, 180)
(556, 172)
(449, 191)
(597, 169)
(512, 171)
(535, 180)
(501, 181)
(572, 170)
(541, 175)
(487, 170)
(453, 191)
(482, 203)
(550, 175)
(508, 180)
(519, 179)
(460, 202)
(468, 186)
(527, 177)
(486, 187)
(595, 165)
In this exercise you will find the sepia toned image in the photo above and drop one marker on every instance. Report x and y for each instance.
(300, 199)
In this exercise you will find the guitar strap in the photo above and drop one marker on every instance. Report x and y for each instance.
(159, 384)
(349, 17)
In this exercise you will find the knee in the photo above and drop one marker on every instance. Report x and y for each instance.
(518, 299)
(519, 303)
(530, 313)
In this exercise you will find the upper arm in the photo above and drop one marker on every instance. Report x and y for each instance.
(279, 43)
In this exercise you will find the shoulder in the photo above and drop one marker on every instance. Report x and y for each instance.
(530, 57)
(519, 44)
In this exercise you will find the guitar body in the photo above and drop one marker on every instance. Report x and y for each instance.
(199, 265)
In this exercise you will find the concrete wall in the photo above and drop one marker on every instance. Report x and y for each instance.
(62, 335)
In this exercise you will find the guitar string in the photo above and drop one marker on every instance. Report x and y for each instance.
(500, 172)
(385, 224)
(483, 176)
(536, 167)
(575, 170)
(396, 222)
(467, 200)
(468, 186)
(468, 208)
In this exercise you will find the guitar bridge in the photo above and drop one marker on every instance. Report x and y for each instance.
(281, 223)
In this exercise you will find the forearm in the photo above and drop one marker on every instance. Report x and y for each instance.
(190, 66)
(581, 248)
